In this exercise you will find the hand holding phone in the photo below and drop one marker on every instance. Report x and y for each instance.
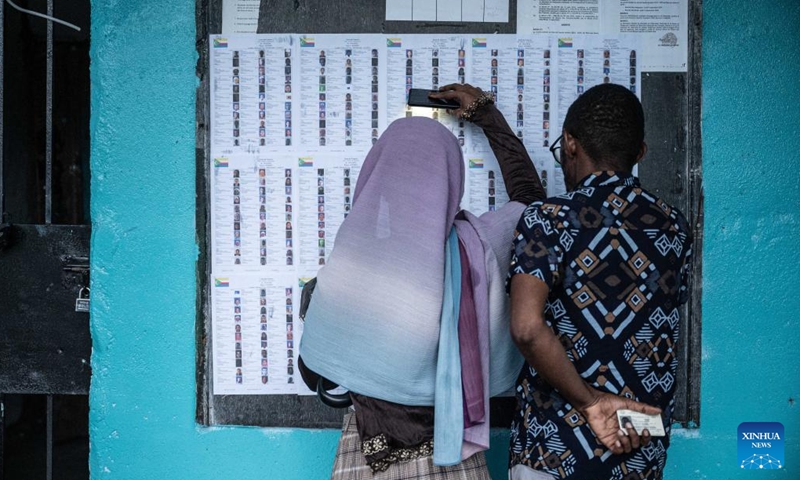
(465, 94)
(418, 97)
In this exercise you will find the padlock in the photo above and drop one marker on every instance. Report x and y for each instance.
(82, 302)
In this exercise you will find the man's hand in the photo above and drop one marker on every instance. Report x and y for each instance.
(602, 417)
(465, 94)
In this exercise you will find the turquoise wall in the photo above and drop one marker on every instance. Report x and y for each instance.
(144, 252)
(751, 136)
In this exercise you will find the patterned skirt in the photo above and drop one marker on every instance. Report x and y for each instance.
(350, 463)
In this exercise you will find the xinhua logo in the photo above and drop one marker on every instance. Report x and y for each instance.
(761, 446)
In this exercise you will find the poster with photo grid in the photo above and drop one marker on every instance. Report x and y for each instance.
(292, 118)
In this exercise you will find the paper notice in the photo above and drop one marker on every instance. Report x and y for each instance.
(240, 16)
(661, 24)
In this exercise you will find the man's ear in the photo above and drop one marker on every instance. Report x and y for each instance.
(642, 152)
(570, 144)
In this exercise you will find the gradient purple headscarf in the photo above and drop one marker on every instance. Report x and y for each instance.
(373, 324)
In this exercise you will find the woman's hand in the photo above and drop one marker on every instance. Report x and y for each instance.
(602, 417)
(465, 94)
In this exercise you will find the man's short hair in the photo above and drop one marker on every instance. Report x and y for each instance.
(608, 121)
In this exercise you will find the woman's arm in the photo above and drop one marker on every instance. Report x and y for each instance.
(521, 180)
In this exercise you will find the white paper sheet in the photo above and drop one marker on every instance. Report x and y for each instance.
(519, 72)
(448, 10)
(661, 24)
(340, 88)
(242, 86)
(254, 339)
(663, 27)
(240, 16)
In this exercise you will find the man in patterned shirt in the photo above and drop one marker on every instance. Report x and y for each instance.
(596, 282)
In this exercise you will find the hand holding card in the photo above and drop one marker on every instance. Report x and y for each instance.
(602, 417)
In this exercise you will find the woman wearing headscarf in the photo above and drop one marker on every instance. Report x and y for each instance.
(410, 313)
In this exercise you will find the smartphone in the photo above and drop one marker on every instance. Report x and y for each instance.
(418, 97)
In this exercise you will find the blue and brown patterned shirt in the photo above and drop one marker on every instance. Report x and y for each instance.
(616, 259)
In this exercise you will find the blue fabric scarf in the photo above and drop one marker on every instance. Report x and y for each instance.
(448, 426)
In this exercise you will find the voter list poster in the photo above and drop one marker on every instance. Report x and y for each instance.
(293, 117)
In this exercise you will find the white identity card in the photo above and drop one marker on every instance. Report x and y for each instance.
(641, 421)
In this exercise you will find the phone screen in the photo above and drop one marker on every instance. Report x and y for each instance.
(418, 97)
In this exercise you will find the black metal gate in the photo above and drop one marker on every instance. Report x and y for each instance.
(45, 345)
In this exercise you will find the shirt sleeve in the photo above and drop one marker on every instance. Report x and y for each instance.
(519, 175)
(537, 251)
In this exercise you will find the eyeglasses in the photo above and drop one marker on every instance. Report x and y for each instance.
(555, 149)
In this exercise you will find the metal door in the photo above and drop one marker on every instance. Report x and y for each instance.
(45, 344)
